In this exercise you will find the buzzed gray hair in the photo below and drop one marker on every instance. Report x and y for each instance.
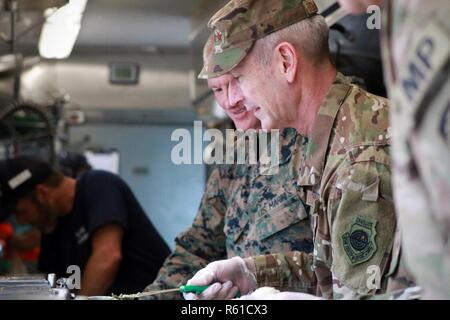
(309, 36)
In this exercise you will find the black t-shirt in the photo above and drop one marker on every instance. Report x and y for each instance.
(101, 199)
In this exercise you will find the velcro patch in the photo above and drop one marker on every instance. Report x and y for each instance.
(359, 241)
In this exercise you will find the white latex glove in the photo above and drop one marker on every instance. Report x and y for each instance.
(225, 277)
(273, 294)
(216, 291)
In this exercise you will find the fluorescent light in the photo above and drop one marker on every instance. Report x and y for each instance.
(61, 29)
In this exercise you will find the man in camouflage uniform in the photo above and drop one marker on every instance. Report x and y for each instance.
(345, 171)
(416, 53)
(244, 212)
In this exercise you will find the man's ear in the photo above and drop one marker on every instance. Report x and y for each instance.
(42, 191)
(287, 59)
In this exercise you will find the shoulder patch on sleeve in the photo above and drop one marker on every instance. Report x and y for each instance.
(359, 240)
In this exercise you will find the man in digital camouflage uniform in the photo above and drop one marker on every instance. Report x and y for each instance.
(416, 54)
(244, 212)
(277, 52)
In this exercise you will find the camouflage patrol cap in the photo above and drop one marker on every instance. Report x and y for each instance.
(238, 25)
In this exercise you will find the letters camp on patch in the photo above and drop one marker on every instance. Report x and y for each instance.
(430, 52)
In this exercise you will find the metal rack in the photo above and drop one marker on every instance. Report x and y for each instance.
(26, 128)
(38, 287)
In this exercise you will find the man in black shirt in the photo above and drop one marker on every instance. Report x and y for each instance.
(95, 223)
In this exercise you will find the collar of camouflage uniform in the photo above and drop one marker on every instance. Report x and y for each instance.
(318, 141)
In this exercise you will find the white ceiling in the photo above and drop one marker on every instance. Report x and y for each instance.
(124, 24)
(114, 23)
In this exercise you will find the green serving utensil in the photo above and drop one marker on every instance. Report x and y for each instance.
(183, 289)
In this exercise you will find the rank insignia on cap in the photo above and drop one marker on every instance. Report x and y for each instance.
(218, 41)
(359, 242)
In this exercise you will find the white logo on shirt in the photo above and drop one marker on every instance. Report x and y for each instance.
(82, 235)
